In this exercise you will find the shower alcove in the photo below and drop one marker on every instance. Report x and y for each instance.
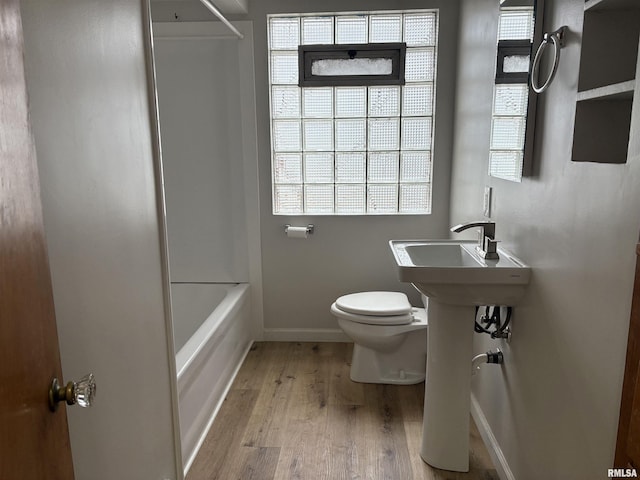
(206, 106)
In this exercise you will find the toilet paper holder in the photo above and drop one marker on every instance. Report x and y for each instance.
(309, 228)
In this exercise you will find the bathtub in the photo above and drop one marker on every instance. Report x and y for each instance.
(213, 333)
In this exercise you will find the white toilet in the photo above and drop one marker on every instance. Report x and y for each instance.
(389, 335)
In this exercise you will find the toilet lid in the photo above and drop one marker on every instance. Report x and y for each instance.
(388, 320)
(377, 304)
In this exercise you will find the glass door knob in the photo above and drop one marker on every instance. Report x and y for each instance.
(81, 393)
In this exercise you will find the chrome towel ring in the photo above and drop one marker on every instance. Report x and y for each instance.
(557, 40)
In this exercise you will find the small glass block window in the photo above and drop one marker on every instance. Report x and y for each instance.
(417, 100)
(506, 164)
(284, 33)
(317, 103)
(357, 149)
(287, 168)
(352, 29)
(318, 135)
(285, 102)
(317, 30)
(351, 134)
(384, 101)
(286, 136)
(350, 167)
(421, 65)
(385, 29)
(382, 198)
(318, 168)
(288, 198)
(516, 23)
(318, 199)
(415, 167)
(507, 133)
(414, 197)
(416, 133)
(350, 199)
(384, 134)
(511, 100)
(284, 68)
(382, 167)
(420, 29)
(351, 102)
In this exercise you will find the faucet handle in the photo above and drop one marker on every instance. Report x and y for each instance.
(490, 248)
(491, 243)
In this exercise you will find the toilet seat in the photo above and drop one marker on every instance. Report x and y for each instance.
(379, 304)
(374, 308)
(371, 319)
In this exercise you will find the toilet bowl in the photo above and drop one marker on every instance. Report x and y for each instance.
(389, 336)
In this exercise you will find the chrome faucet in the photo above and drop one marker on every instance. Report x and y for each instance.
(487, 243)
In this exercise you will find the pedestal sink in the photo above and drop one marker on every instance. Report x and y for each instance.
(456, 280)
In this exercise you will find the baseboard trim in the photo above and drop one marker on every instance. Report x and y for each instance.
(304, 335)
(495, 452)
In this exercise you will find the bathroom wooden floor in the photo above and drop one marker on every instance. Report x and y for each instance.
(293, 413)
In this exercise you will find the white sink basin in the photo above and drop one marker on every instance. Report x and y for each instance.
(453, 272)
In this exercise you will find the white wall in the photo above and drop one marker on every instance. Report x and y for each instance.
(553, 406)
(85, 67)
(199, 103)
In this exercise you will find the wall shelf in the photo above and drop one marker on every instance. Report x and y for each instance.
(601, 132)
(607, 81)
(617, 91)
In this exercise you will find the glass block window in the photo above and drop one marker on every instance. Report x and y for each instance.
(516, 23)
(352, 150)
(511, 100)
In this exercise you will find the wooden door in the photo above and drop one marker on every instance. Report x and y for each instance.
(628, 442)
(34, 442)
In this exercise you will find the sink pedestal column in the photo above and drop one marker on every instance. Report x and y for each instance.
(447, 398)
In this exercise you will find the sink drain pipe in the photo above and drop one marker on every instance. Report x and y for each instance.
(488, 357)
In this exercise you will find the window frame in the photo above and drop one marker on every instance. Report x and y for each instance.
(508, 48)
(307, 54)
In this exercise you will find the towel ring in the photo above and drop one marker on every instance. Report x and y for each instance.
(557, 40)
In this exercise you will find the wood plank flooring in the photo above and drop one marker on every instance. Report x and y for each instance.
(293, 413)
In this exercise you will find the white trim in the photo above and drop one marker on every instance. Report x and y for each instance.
(161, 213)
(250, 167)
(305, 335)
(490, 441)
